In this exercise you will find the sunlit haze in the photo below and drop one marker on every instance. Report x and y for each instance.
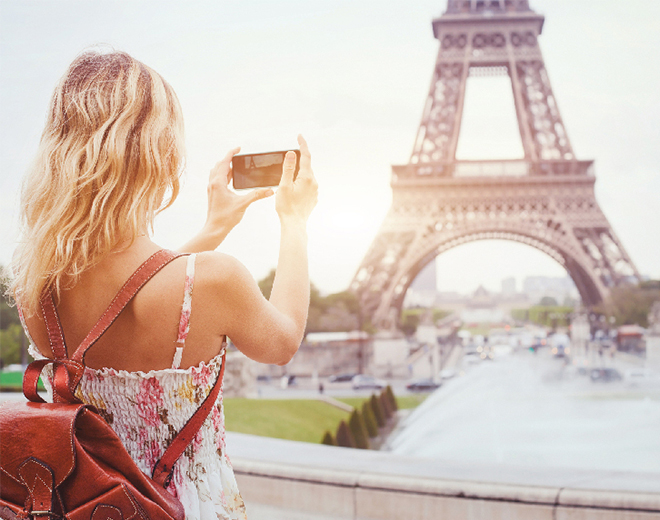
(352, 77)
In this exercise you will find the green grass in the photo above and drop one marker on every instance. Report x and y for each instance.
(404, 402)
(293, 419)
(481, 329)
(13, 381)
(407, 402)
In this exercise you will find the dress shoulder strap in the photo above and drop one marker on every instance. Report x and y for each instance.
(186, 308)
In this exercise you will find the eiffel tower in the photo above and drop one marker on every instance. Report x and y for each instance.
(545, 200)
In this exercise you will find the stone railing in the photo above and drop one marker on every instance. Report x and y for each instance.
(326, 482)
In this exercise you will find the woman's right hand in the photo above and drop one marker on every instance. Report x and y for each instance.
(295, 200)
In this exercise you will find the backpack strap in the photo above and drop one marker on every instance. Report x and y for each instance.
(162, 472)
(53, 326)
(64, 385)
(138, 279)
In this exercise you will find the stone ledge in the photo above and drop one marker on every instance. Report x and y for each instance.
(361, 484)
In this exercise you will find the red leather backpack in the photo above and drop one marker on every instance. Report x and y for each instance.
(62, 460)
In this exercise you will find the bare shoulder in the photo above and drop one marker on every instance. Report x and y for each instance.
(225, 281)
(219, 269)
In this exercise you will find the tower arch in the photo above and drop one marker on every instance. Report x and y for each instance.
(440, 244)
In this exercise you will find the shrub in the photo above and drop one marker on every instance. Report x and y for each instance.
(378, 411)
(385, 404)
(344, 436)
(359, 430)
(328, 439)
(369, 419)
(393, 402)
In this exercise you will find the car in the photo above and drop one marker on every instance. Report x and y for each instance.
(422, 385)
(341, 378)
(487, 354)
(560, 351)
(642, 377)
(364, 381)
(447, 373)
(605, 375)
(471, 357)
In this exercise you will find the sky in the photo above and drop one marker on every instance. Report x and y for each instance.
(352, 77)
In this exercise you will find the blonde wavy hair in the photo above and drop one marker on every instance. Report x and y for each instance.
(109, 160)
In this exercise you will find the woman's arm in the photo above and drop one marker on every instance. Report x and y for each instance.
(225, 208)
(294, 203)
(270, 331)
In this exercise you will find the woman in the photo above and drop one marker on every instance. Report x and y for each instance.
(109, 160)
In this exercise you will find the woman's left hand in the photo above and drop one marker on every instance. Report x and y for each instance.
(225, 207)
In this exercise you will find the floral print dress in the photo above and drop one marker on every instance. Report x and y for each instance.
(147, 409)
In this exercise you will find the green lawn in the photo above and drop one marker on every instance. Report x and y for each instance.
(293, 419)
(404, 402)
(14, 381)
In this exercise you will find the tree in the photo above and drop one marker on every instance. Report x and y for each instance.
(359, 430)
(328, 439)
(12, 337)
(332, 313)
(548, 301)
(409, 324)
(11, 345)
(385, 404)
(392, 398)
(344, 436)
(631, 305)
(266, 284)
(378, 411)
(346, 299)
(369, 419)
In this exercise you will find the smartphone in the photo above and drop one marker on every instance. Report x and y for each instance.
(260, 169)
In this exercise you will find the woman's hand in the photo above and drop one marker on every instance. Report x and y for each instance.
(225, 208)
(295, 200)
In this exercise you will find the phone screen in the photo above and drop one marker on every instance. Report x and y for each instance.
(260, 169)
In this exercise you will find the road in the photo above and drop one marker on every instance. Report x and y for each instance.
(529, 410)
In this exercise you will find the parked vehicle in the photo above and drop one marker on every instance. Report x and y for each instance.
(605, 375)
(487, 354)
(447, 373)
(423, 385)
(561, 351)
(560, 345)
(341, 378)
(364, 381)
(471, 357)
(642, 377)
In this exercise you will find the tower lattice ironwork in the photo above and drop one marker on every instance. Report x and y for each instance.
(545, 200)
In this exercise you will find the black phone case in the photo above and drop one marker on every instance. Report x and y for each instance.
(257, 171)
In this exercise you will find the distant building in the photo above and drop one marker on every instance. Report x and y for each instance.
(509, 287)
(559, 288)
(482, 308)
